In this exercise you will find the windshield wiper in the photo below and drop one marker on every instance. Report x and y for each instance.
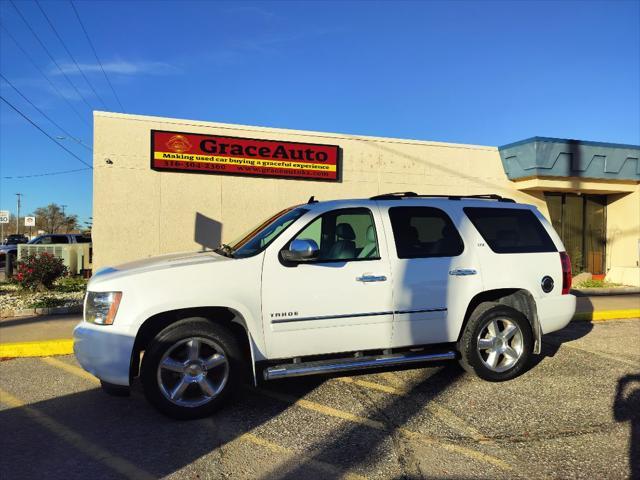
(225, 250)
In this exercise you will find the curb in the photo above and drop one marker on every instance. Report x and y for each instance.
(64, 346)
(596, 292)
(30, 312)
(45, 348)
(603, 315)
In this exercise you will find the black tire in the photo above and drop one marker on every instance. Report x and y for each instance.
(471, 358)
(174, 336)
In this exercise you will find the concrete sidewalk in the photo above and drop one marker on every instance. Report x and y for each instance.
(610, 302)
(36, 328)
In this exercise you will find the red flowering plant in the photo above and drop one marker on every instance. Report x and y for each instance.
(39, 271)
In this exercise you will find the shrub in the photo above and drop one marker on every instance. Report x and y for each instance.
(39, 271)
(70, 284)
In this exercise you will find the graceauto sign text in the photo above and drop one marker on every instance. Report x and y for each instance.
(190, 152)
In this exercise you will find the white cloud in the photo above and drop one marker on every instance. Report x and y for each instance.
(120, 67)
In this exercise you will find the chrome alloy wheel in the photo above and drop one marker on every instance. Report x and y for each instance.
(500, 344)
(193, 372)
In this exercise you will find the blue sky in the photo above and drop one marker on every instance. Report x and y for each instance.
(470, 72)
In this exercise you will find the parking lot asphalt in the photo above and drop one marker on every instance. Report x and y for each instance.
(576, 414)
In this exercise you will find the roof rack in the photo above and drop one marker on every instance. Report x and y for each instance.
(401, 195)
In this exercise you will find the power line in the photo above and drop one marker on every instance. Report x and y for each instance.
(49, 54)
(35, 65)
(96, 55)
(70, 55)
(45, 133)
(44, 114)
(62, 172)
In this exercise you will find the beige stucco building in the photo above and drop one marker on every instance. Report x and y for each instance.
(590, 191)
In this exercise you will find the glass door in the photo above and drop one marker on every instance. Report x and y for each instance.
(580, 222)
(594, 233)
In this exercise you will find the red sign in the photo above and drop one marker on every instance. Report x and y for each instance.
(189, 152)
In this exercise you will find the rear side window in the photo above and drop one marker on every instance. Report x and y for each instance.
(423, 232)
(508, 230)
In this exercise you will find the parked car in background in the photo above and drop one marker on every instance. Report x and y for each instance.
(48, 239)
(10, 246)
(15, 239)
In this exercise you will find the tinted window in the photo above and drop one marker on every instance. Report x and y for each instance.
(508, 230)
(49, 239)
(83, 239)
(422, 232)
(347, 234)
(60, 239)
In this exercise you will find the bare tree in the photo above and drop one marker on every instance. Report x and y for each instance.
(51, 219)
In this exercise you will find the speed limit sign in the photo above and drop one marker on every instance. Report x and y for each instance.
(4, 216)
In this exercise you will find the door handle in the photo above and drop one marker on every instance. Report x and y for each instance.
(463, 271)
(371, 278)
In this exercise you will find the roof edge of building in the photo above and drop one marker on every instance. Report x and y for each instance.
(308, 133)
(571, 141)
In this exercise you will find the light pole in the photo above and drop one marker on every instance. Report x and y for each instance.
(18, 216)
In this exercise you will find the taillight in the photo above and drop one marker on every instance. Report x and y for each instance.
(566, 272)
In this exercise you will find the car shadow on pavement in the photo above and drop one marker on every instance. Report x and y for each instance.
(626, 408)
(552, 342)
(124, 428)
(129, 429)
(358, 444)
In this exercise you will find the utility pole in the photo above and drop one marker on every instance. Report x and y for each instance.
(64, 218)
(18, 216)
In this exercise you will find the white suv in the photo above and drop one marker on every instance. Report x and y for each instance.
(329, 287)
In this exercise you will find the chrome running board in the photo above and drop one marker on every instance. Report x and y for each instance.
(352, 363)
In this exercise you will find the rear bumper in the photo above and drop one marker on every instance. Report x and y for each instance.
(554, 313)
(103, 352)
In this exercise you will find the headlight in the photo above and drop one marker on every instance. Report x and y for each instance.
(101, 307)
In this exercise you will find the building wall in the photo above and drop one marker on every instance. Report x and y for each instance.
(623, 238)
(139, 212)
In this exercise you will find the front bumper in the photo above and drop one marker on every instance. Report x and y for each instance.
(103, 352)
(554, 313)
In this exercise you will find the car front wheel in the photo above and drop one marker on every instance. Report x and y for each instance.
(190, 368)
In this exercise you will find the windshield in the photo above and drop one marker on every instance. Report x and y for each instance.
(259, 238)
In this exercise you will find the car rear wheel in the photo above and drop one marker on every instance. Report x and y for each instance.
(191, 367)
(497, 343)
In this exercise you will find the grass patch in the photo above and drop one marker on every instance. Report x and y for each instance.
(597, 284)
(48, 302)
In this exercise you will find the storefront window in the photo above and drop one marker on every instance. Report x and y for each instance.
(580, 222)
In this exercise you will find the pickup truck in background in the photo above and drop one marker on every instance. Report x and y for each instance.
(11, 250)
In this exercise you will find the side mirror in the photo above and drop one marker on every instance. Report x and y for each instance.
(301, 250)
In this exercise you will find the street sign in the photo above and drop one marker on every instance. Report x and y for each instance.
(4, 216)
(29, 221)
